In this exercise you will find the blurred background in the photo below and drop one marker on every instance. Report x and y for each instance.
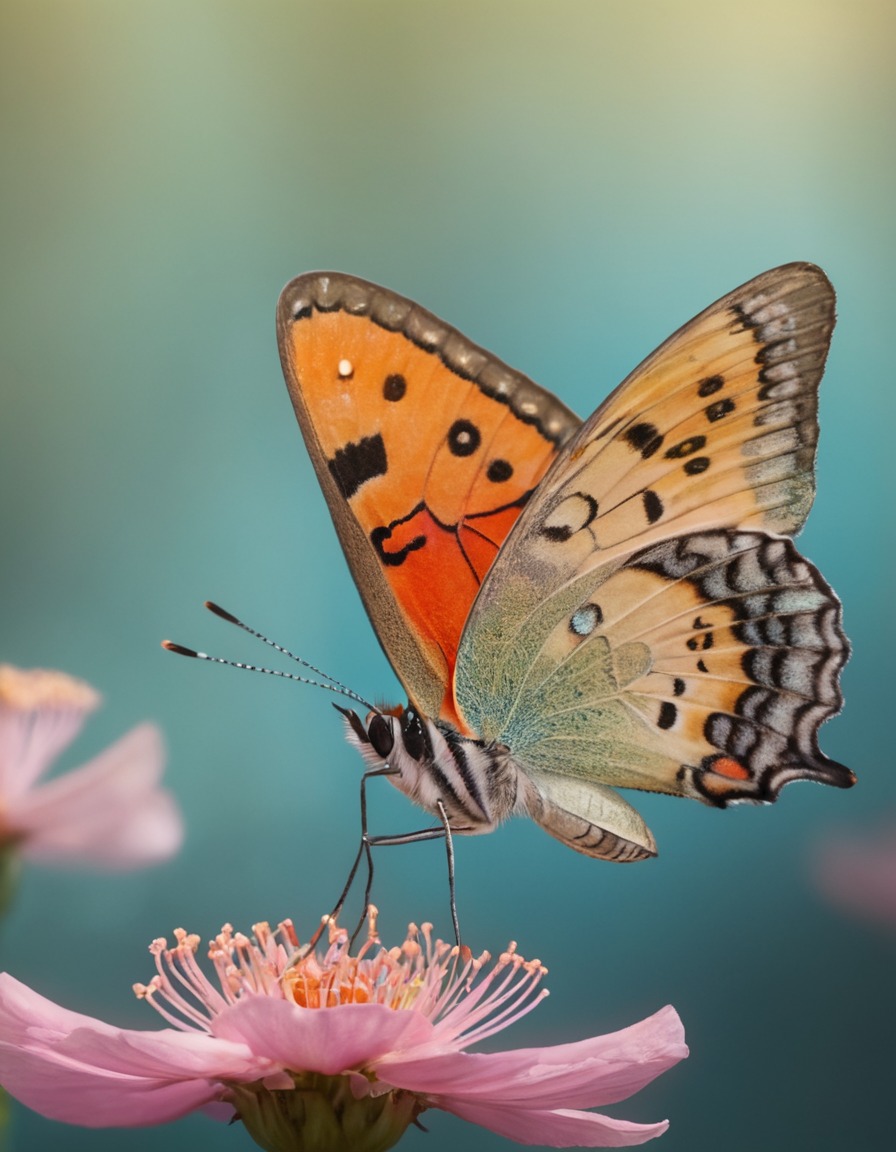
(567, 183)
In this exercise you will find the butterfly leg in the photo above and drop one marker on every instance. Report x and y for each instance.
(363, 850)
(428, 834)
(449, 850)
(368, 842)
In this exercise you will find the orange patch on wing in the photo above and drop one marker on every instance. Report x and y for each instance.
(733, 769)
(428, 400)
(400, 431)
(481, 537)
(435, 586)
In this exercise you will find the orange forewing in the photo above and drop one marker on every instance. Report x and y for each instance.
(434, 470)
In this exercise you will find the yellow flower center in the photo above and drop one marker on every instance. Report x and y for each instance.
(28, 689)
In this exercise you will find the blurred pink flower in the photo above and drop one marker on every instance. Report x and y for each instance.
(110, 812)
(858, 872)
(370, 1041)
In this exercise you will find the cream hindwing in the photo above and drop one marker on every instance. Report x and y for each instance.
(646, 625)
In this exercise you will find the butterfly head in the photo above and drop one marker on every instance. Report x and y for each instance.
(388, 734)
(449, 775)
(398, 743)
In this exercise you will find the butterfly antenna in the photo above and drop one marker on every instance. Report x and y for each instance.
(181, 650)
(335, 686)
(231, 619)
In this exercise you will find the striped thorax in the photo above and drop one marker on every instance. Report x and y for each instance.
(432, 763)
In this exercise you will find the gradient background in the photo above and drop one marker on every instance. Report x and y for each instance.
(567, 183)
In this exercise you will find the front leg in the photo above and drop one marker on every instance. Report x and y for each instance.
(413, 838)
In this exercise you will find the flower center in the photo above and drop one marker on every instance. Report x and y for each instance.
(311, 989)
(447, 985)
(393, 977)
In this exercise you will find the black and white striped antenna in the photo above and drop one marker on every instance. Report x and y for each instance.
(334, 685)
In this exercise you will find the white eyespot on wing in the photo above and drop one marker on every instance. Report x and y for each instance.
(585, 619)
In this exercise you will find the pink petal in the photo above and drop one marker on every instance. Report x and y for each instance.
(592, 1072)
(109, 813)
(327, 1040)
(558, 1129)
(96, 1098)
(29, 743)
(73, 1068)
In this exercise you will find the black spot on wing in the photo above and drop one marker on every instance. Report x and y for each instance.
(645, 438)
(463, 438)
(557, 532)
(653, 505)
(394, 387)
(357, 462)
(499, 471)
(719, 409)
(710, 385)
(685, 448)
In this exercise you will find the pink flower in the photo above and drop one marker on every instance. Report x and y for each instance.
(858, 872)
(110, 812)
(323, 1050)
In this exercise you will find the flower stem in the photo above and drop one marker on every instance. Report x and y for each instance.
(10, 867)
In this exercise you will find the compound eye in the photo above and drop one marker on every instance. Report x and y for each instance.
(415, 738)
(379, 733)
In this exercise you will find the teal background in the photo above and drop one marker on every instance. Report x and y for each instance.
(567, 183)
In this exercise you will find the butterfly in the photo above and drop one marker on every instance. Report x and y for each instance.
(576, 607)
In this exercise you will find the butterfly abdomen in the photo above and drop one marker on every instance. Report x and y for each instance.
(438, 768)
(477, 785)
